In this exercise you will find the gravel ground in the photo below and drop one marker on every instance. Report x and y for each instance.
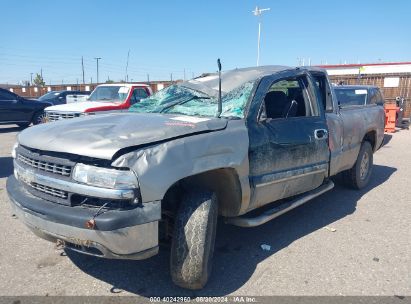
(343, 243)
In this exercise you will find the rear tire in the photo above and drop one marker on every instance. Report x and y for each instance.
(359, 175)
(193, 240)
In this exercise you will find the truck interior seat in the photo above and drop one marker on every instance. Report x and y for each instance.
(276, 104)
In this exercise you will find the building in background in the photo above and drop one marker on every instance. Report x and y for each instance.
(37, 91)
(394, 78)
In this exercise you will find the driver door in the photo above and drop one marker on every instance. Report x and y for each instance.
(288, 152)
(11, 107)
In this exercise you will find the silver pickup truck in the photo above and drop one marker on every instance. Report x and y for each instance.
(223, 144)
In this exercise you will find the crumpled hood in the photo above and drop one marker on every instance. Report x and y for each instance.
(101, 136)
(81, 106)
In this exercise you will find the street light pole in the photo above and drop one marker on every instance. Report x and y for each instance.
(257, 12)
(97, 59)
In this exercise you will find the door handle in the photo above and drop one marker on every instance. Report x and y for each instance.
(321, 134)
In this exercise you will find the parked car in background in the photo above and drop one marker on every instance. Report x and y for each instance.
(21, 111)
(60, 97)
(264, 143)
(76, 98)
(104, 99)
(358, 95)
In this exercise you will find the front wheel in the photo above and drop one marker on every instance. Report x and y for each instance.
(38, 118)
(193, 240)
(359, 175)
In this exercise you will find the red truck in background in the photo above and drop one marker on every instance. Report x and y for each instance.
(104, 99)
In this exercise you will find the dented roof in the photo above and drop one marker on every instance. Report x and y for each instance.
(231, 79)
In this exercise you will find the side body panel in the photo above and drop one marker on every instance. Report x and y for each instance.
(357, 122)
(160, 166)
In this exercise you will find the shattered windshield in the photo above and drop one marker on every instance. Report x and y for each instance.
(109, 94)
(178, 99)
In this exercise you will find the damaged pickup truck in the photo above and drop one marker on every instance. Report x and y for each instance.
(247, 145)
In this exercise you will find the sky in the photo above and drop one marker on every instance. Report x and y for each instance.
(184, 38)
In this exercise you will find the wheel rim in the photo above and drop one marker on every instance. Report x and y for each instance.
(41, 119)
(364, 167)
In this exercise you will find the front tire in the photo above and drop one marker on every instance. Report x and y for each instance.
(359, 175)
(193, 240)
(38, 118)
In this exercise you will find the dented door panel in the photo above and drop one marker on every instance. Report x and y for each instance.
(285, 157)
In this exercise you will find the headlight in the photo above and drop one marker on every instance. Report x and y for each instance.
(13, 150)
(105, 178)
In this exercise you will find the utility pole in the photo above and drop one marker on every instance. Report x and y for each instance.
(171, 77)
(31, 78)
(82, 68)
(41, 73)
(184, 74)
(148, 78)
(97, 59)
(128, 55)
(257, 12)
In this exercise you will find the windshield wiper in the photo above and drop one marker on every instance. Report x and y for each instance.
(181, 102)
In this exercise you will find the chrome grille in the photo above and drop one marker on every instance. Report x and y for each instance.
(49, 190)
(54, 116)
(45, 166)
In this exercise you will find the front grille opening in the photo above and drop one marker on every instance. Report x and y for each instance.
(45, 166)
(49, 190)
(54, 116)
(83, 249)
(95, 202)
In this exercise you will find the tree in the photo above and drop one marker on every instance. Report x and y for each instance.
(38, 80)
(109, 81)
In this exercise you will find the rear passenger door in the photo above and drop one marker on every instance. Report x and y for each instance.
(288, 135)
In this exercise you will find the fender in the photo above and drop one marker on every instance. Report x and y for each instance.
(160, 166)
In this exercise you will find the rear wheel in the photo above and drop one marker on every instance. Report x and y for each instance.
(193, 240)
(359, 175)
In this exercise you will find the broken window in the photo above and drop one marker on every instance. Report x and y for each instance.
(289, 98)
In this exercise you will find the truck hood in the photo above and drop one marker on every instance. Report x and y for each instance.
(102, 136)
(81, 106)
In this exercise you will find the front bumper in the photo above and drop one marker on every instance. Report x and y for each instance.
(127, 234)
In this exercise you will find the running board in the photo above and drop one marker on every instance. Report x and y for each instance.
(268, 215)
